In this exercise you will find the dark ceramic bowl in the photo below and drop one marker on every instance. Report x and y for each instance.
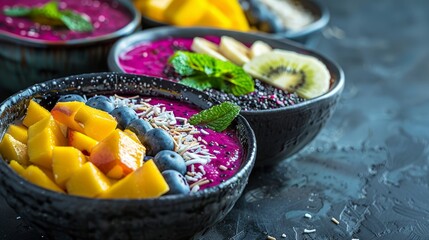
(306, 36)
(279, 132)
(63, 216)
(25, 61)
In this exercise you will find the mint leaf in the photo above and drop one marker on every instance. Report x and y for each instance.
(218, 117)
(224, 76)
(198, 82)
(50, 14)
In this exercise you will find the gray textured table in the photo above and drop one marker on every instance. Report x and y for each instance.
(369, 167)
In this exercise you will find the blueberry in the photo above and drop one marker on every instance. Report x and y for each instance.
(139, 127)
(156, 140)
(170, 160)
(124, 115)
(71, 98)
(101, 102)
(147, 158)
(176, 181)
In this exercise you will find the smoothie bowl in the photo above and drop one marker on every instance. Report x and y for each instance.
(298, 20)
(42, 39)
(115, 156)
(290, 97)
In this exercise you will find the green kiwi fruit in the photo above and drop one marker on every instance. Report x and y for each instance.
(291, 71)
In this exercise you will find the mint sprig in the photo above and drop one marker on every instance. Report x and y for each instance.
(218, 117)
(50, 14)
(202, 71)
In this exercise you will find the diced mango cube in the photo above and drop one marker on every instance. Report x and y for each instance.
(17, 167)
(36, 176)
(118, 149)
(19, 132)
(81, 141)
(186, 12)
(48, 122)
(12, 149)
(88, 181)
(232, 9)
(132, 135)
(214, 17)
(96, 123)
(65, 112)
(35, 112)
(40, 148)
(65, 162)
(153, 8)
(145, 182)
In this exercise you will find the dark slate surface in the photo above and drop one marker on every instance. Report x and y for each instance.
(369, 167)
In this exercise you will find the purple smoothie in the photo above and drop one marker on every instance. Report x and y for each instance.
(224, 146)
(106, 17)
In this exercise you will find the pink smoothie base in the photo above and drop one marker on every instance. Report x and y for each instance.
(106, 17)
(150, 58)
(228, 153)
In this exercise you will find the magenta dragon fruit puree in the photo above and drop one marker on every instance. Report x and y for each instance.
(211, 157)
(106, 17)
(151, 59)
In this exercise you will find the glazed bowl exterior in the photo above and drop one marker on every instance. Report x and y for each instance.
(280, 132)
(61, 216)
(25, 61)
(306, 36)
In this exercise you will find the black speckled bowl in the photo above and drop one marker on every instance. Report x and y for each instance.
(25, 61)
(307, 36)
(280, 132)
(61, 216)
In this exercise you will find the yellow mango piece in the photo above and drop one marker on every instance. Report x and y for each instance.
(35, 112)
(232, 9)
(153, 8)
(88, 181)
(36, 176)
(145, 182)
(65, 112)
(116, 172)
(186, 12)
(19, 132)
(132, 135)
(18, 168)
(48, 122)
(213, 17)
(96, 123)
(118, 149)
(65, 162)
(40, 148)
(81, 141)
(12, 149)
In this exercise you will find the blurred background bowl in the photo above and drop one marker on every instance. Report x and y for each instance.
(280, 132)
(61, 216)
(307, 35)
(26, 61)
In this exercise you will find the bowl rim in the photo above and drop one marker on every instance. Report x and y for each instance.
(126, 43)
(127, 29)
(245, 168)
(314, 6)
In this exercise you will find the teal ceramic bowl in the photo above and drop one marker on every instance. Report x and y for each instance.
(25, 61)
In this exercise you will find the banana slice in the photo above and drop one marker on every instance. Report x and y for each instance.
(259, 48)
(234, 50)
(201, 45)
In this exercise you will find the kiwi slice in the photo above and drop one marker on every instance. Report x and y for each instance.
(291, 71)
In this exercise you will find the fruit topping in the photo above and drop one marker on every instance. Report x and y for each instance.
(124, 115)
(156, 140)
(292, 72)
(65, 162)
(259, 48)
(201, 45)
(71, 98)
(233, 50)
(92, 120)
(176, 181)
(87, 181)
(12, 149)
(140, 127)
(170, 160)
(35, 112)
(101, 102)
